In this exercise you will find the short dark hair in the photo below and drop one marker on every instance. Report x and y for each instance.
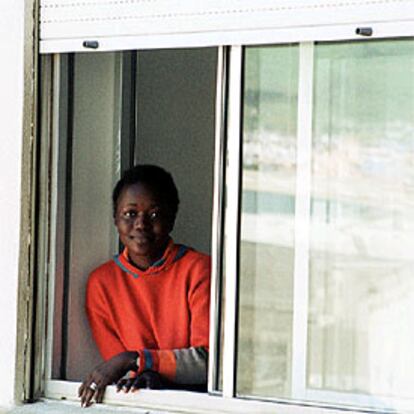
(156, 178)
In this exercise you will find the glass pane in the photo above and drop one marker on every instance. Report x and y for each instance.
(267, 221)
(361, 311)
(89, 167)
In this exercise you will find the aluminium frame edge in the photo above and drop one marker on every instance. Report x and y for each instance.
(217, 221)
(232, 221)
(302, 219)
(296, 34)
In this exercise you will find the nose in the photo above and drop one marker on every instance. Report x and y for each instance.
(141, 221)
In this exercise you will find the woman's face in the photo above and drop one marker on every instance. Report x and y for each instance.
(144, 224)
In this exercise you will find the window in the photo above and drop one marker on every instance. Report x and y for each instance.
(325, 293)
(300, 160)
(267, 220)
(361, 223)
(117, 109)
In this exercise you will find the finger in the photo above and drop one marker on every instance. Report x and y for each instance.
(88, 398)
(88, 394)
(84, 386)
(153, 382)
(80, 389)
(84, 397)
(128, 384)
(136, 386)
(100, 395)
(149, 380)
(120, 384)
(139, 382)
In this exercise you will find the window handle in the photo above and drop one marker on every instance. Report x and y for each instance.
(364, 31)
(90, 44)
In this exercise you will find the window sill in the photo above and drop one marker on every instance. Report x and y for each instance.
(161, 402)
(71, 407)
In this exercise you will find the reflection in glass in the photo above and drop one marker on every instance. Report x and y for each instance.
(267, 221)
(361, 314)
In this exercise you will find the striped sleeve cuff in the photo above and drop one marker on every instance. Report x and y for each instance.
(163, 362)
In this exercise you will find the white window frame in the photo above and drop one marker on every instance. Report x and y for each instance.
(191, 402)
(301, 394)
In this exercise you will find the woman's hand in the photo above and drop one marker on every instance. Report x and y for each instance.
(148, 379)
(93, 387)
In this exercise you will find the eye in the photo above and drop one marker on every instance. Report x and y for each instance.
(129, 214)
(154, 215)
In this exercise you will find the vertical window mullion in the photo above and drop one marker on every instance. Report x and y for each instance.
(50, 290)
(232, 219)
(127, 114)
(34, 388)
(302, 220)
(59, 130)
(68, 218)
(216, 237)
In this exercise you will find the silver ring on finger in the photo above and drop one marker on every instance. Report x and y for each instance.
(93, 386)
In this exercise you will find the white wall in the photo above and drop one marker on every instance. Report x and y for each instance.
(11, 116)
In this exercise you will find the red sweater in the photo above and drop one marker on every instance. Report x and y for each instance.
(162, 312)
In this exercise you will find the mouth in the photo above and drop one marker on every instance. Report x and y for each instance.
(141, 238)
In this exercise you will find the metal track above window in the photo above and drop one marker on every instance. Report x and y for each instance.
(72, 25)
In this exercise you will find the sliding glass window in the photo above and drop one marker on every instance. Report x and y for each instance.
(326, 293)
(267, 220)
(361, 309)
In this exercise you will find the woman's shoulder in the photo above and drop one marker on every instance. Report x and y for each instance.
(103, 272)
(194, 259)
(192, 254)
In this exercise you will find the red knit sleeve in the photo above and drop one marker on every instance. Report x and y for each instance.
(102, 329)
(187, 365)
(199, 302)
